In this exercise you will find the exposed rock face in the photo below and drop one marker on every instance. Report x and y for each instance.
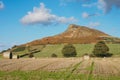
(74, 34)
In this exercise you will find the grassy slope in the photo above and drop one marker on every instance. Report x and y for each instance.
(0, 56)
(20, 52)
(80, 48)
(50, 49)
(84, 48)
(114, 48)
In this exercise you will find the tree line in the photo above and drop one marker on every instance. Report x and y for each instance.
(100, 50)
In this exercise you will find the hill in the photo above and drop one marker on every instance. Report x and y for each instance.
(74, 34)
(48, 50)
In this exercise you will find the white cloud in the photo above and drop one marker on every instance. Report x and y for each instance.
(93, 24)
(43, 16)
(87, 15)
(107, 5)
(1, 5)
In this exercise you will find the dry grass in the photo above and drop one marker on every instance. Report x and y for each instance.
(106, 67)
(102, 66)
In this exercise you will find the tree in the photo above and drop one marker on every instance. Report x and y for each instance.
(31, 55)
(18, 49)
(69, 51)
(14, 46)
(101, 50)
(18, 56)
(11, 55)
(53, 55)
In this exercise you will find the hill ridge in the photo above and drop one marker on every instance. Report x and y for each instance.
(74, 34)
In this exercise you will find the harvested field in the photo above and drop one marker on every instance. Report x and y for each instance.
(37, 64)
(65, 68)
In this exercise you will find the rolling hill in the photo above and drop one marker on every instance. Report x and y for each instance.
(76, 34)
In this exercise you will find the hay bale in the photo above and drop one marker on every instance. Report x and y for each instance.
(86, 57)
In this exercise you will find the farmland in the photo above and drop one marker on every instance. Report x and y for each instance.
(43, 67)
(60, 69)
(80, 48)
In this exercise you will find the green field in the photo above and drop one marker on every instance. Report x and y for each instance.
(80, 48)
(0, 56)
(48, 50)
(44, 75)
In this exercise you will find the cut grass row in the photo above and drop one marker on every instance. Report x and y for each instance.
(68, 74)
(82, 70)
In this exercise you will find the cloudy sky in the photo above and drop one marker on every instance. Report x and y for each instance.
(23, 21)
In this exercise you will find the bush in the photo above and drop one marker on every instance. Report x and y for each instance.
(91, 55)
(11, 55)
(18, 56)
(31, 55)
(53, 55)
(101, 50)
(69, 51)
(14, 46)
(20, 48)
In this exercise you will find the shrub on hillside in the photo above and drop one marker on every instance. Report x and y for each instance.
(20, 48)
(31, 55)
(69, 51)
(101, 50)
(91, 55)
(53, 55)
(14, 46)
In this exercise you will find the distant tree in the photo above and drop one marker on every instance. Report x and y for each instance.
(31, 55)
(11, 55)
(14, 46)
(19, 48)
(101, 50)
(18, 56)
(69, 51)
(53, 55)
(8, 49)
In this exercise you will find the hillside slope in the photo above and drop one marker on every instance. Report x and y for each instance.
(74, 34)
(81, 49)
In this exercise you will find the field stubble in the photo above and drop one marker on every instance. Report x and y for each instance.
(68, 68)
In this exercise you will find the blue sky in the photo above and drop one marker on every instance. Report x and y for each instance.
(23, 21)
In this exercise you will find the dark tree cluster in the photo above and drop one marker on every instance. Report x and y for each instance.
(101, 50)
(31, 55)
(69, 51)
(54, 55)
